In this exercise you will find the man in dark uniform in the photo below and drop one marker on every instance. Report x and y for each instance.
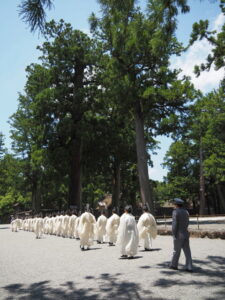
(180, 235)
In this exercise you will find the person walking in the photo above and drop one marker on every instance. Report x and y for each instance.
(128, 234)
(180, 233)
(86, 230)
(112, 227)
(147, 228)
(100, 228)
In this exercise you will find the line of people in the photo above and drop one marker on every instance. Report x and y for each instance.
(123, 231)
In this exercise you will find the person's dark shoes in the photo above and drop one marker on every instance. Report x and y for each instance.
(189, 270)
(147, 249)
(98, 242)
(173, 268)
(110, 244)
(123, 256)
(130, 257)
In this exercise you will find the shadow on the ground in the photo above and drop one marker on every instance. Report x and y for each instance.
(151, 250)
(5, 227)
(130, 258)
(207, 274)
(93, 248)
(109, 286)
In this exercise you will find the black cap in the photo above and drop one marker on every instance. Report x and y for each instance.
(178, 201)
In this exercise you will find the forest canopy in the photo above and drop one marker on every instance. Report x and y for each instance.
(93, 106)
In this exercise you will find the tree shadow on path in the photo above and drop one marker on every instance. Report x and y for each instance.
(106, 286)
(208, 274)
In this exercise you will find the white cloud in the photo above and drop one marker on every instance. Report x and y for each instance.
(196, 55)
(219, 21)
(157, 173)
(87, 31)
(206, 82)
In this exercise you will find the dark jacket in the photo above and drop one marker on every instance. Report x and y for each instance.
(180, 223)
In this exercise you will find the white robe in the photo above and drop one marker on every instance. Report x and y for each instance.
(112, 228)
(71, 232)
(128, 235)
(51, 225)
(45, 220)
(76, 225)
(65, 226)
(59, 225)
(16, 225)
(147, 229)
(86, 229)
(100, 228)
(38, 227)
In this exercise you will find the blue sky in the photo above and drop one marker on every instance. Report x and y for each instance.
(18, 50)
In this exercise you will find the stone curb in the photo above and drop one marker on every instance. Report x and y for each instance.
(198, 233)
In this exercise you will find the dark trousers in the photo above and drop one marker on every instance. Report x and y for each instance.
(179, 244)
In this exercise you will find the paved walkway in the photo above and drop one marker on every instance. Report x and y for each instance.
(54, 268)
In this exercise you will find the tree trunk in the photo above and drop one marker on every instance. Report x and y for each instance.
(75, 175)
(201, 182)
(221, 197)
(36, 201)
(116, 185)
(142, 162)
(76, 153)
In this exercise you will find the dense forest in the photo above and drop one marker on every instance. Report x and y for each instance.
(92, 108)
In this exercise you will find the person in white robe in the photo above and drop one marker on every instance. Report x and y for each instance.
(59, 225)
(112, 227)
(38, 227)
(31, 223)
(71, 232)
(56, 224)
(101, 228)
(86, 230)
(147, 228)
(65, 226)
(51, 224)
(45, 220)
(76, 229)
(128, 234)
(16, 225)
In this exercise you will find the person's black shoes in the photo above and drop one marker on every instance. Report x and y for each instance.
(147, 249)
(188, 270)
(173, 268)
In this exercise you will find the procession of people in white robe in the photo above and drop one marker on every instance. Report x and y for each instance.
(122, 231)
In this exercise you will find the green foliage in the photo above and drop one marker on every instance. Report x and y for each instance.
(11, 200)
(162, 192)
(33, 13)
(2, 146)
(90, 92)
(216, 39)
(203, 131)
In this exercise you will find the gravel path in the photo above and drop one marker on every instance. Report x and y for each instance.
(55, 268)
